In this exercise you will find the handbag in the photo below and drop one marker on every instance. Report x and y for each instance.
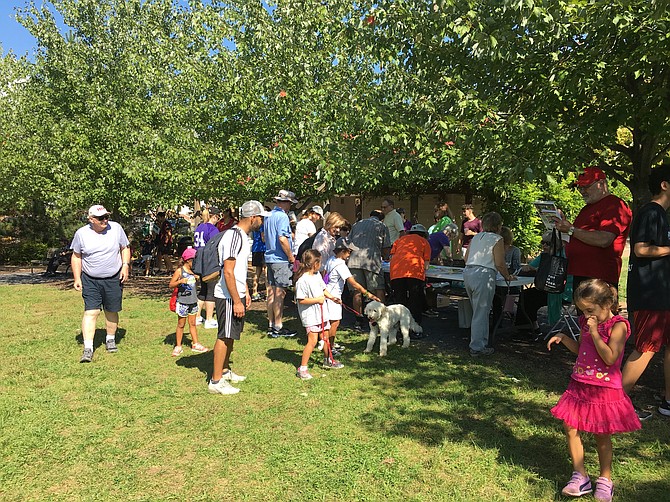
(552, 272)
(173, 300)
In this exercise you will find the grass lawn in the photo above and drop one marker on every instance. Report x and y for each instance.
(427, 423)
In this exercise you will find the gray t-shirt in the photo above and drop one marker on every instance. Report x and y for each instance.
(100, 253)
(371, 236)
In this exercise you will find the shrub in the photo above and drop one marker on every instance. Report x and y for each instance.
(22, 252)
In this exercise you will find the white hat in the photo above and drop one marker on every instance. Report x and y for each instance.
(253, 208)
(97, 210)
(318, 210)
(286, 195)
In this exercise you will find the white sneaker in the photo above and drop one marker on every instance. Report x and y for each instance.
(199, 320)
(213, 324)
(231, 376)
(319, 346)
(223, 387)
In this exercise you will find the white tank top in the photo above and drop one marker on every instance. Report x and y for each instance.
(480, 252)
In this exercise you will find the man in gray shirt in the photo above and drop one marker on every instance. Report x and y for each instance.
(371, 238)
(100, 265)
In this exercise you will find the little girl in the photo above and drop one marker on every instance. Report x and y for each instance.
(310, 293)
(595, 401)
(187, 302)
(338, 274)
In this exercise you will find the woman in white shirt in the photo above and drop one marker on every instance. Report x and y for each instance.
(483, 259)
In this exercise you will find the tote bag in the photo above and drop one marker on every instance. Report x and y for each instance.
(552, 272)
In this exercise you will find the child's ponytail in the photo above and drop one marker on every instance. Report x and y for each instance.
(309, 258)
(599, 292)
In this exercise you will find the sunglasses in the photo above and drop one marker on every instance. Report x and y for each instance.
(102, 218)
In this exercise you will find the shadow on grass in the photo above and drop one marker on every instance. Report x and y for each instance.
(100, 336)
(496, 403)
(203, 362)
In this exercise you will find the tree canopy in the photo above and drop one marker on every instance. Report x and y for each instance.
(138, 103)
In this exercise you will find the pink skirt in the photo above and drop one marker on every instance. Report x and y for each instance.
(600, 410)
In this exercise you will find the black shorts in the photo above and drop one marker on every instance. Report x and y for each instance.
(105, 293)
(258, 258)
(230, 327)
(206, 293)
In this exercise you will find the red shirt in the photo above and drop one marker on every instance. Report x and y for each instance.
(610, 214)
(409, 255)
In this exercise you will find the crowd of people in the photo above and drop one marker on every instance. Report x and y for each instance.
(346, 259)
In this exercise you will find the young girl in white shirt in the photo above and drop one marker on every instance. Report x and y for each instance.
(310, 293)
(337, 274)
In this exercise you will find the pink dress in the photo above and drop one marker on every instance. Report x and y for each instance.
(595, 400)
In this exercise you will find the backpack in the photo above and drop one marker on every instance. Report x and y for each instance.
(306, 244)
(206, 261)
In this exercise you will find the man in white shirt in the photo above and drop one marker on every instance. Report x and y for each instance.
(100, 265)
(231, 294)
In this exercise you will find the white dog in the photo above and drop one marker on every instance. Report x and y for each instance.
(384, 321)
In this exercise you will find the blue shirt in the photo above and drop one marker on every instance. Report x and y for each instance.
(259, 245)
(275, 226)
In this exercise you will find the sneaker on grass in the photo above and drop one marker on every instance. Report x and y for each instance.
(643, 415)
(604, 490)
(233, 377)
(486, 351)
(284, 332)
(303, 374)
(332, 364)
(87, 356)
(213, 324)
(222, 387)
(578, 485)
(110, 345)
(664, 408)
(199, 320)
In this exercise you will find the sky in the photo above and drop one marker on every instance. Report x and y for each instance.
(12, 35)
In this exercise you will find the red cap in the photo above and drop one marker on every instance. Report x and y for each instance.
(590, 176)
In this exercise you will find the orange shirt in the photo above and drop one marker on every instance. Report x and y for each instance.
(409, 255)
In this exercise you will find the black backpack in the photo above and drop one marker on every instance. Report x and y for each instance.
(206, 261)
(306, 244)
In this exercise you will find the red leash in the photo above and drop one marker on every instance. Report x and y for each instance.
(326, 339)
(351, 310)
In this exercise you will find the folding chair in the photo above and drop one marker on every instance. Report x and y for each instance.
(567, 320)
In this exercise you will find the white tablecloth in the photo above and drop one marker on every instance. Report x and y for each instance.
(455, 274)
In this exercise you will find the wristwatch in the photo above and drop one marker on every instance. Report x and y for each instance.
(571, 231)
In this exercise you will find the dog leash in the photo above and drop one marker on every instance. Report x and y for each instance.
(326, 339)
(351, 310)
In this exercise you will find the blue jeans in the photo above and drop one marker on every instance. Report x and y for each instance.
(480, 284)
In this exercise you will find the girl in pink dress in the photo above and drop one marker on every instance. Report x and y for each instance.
(595, 401)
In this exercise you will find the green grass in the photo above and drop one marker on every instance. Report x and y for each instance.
(428, 423)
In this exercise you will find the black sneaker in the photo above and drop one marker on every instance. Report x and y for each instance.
(664, 409)
(286, 333)
(87, 356)
(486, 351)
(272, 333)
(110, 345)
(643, 415)
(431, 313)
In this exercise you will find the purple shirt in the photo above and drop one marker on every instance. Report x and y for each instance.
(437, 242)
(203, 233)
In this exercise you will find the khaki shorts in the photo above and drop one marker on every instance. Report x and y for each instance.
(372, 281)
